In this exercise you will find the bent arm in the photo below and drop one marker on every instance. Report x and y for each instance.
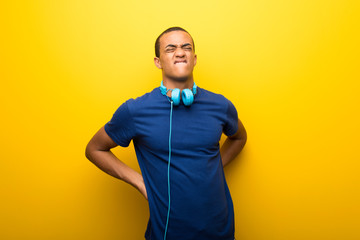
(233, 144)
(98, 152)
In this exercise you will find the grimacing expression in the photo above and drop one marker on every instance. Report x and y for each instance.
(177, 58)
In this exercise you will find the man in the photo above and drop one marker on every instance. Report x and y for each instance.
(176, 137)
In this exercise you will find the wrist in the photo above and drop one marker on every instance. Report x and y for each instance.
(139, 181)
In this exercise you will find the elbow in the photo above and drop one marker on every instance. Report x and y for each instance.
(88, 151)
(92, 149)
(244, 138)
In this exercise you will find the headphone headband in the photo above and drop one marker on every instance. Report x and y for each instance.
(164, 90)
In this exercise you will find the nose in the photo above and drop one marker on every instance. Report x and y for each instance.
(179, 52)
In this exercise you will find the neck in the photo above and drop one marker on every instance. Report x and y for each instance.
(178, 83)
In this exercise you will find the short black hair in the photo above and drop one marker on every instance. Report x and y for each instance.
(171, 29)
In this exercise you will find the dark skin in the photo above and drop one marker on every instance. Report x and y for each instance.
(233, 145)
(98, 152)
(174, 46)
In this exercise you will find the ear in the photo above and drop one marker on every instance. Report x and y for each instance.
(195, 59)
(157, 62)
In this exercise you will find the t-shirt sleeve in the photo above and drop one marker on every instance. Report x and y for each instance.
(121, 127)
(231, 123)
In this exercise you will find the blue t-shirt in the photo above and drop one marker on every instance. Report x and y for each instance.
(201, 206)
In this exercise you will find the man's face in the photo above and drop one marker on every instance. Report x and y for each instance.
(177, 58)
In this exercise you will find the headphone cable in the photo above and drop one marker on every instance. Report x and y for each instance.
(167, 220)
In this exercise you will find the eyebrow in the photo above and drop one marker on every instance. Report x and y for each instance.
(172, 45)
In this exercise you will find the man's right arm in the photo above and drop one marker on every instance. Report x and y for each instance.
(99, 153)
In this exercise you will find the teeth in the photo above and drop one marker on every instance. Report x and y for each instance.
(180, 62)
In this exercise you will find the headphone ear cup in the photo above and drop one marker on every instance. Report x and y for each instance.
(175, 96)
(187, 97)
(163, 89)
(194, 88)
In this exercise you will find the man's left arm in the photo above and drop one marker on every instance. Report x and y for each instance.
(233, 144)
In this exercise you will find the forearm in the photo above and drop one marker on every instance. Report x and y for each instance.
(230, 149)
(110, 164)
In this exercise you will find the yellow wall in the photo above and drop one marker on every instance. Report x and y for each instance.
(290, 67)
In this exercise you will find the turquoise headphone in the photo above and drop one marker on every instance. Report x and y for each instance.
(187, 98)
(187, 95)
